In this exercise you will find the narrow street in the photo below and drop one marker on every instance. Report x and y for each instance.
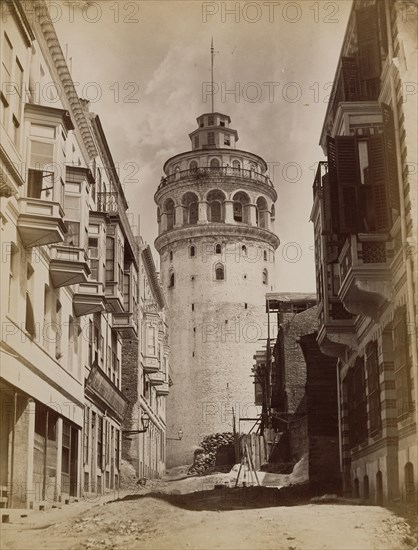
(165, 517)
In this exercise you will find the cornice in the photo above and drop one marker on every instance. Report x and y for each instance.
(59, 115)
(58, 59)
(217, 230)
(240, 184)
(106, 154)
(215, 151)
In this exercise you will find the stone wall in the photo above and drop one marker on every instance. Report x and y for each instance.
(215, 329)
(322, 410)
(131, 384)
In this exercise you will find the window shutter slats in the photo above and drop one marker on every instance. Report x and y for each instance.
(350, 79)
(379, 183)
(330, 189)
(391, 164)
(348, 177)
(403, 381)
(368, 43)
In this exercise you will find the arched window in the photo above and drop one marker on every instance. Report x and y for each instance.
(219, 272)
(158, 215)
(273, 213)
(241, 207)
(366, 489)
(215, 164)
(261, 212)
(215, 200)
(191, 208)
(192, 251)
(171, 255)
(244, 250)
(193, 212)
(193, 165)
(236, 165)
(252, 167)
(265, 255)
(215, 211)
(172, 280)
(237, 211)
(170, 213)
(218, 249)
(265, 277)
(177, 172)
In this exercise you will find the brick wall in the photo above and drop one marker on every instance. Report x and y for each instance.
(131, 384)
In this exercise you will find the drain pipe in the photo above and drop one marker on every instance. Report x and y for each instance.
(405, 257)
(340, 433)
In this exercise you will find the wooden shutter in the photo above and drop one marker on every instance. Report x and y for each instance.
(350, 79)
(348, 177)
(379, 183)
(391, 161)
(403, 382)
(373, 386)
(330, 189)
(368, 43)
(383, 31)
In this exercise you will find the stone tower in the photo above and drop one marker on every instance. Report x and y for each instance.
(217, 249)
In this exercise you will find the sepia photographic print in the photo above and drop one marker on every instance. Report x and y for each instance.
(209, 277)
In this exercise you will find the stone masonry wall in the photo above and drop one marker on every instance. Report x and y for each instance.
(215, 329)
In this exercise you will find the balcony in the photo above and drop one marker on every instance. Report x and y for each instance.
(114, 298)
(157, 378)
(162, 389)
(222, 173)
(68, 266)
(115, 206)
(150, 307)
(336, 334)
(40, 222)
(365, 274)
(125, 324)
(89, 298)
(150, 364)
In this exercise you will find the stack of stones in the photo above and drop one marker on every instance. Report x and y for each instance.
(205, 455)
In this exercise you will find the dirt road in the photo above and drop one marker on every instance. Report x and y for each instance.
(208, 520)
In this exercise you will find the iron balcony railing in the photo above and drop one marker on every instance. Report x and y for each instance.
(111, 203)
(215, 172)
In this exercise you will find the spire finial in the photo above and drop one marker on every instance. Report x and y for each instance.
(212, 54)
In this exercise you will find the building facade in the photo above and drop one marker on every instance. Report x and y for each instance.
(70, 279)
(217, 246)
(296, 386)
(147, 387)
(365, 222)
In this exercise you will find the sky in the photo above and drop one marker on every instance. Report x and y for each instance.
(145, 67)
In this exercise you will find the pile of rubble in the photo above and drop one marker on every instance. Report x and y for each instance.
(205, 456)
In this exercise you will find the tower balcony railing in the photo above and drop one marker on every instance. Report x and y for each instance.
(209, 172)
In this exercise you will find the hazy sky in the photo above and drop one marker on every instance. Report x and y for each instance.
(143, 65)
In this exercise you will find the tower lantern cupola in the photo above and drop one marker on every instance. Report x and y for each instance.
(213, 132)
